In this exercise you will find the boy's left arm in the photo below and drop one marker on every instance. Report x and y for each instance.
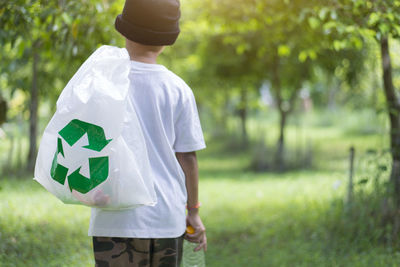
(188, 162)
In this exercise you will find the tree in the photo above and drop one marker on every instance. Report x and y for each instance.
(52, 36)
(226, 66)
(378, 20)
(3, 110)
(267, 40)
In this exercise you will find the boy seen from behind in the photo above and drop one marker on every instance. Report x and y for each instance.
(168, 116)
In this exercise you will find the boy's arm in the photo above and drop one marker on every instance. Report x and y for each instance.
(188, 162)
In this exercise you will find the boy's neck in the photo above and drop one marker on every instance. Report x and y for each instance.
(143, 53)
(149, 58)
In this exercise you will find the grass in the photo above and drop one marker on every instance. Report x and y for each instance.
(38, 230)
(280, 220)
(252, 219)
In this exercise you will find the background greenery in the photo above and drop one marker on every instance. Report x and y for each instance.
(284, 90)
(297, 218)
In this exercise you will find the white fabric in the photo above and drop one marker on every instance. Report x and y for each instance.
(167, 112)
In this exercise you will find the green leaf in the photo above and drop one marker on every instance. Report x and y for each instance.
(303, 56)
(313, 22)
(384, 28)
(390, 16)
(339, 45)
(66, 18)
(20, 47)
(322, 13)
(373, 19)
(240, 49)
(363, 181)
(397, 29)
(283, 50)
(330, 25)
(350, 29)
(357, 42)
(382, 167)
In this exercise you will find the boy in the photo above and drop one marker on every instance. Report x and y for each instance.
(165, 105)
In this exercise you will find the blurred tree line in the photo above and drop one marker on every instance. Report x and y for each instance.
(43, 43)
(227, 51)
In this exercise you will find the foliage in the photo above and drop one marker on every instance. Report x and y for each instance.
(64, 32)
(371, 210)
(52, 36)
(280, 42)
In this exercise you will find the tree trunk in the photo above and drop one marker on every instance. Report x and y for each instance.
(280, 157)
(33, 110)
(394, 117)
(276, 86)
(243, 115)
(3, 110)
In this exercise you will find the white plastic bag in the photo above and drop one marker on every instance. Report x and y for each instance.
(83, 157)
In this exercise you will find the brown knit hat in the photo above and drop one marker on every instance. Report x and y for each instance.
(150, 22)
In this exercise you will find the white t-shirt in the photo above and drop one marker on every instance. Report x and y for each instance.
(167, 112)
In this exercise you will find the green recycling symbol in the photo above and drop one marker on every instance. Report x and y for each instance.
(98, 166)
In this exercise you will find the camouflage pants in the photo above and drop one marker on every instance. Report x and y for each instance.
(135, 252)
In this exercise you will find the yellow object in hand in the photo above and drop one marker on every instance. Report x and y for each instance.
(190, 229)
(190, 257)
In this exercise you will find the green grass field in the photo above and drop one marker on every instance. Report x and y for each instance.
(252, 219)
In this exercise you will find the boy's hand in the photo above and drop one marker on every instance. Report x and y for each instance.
(188, 162)
(199, 236)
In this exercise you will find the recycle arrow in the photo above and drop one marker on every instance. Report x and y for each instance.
(58, 172)
(98, 166)
(77, 128)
